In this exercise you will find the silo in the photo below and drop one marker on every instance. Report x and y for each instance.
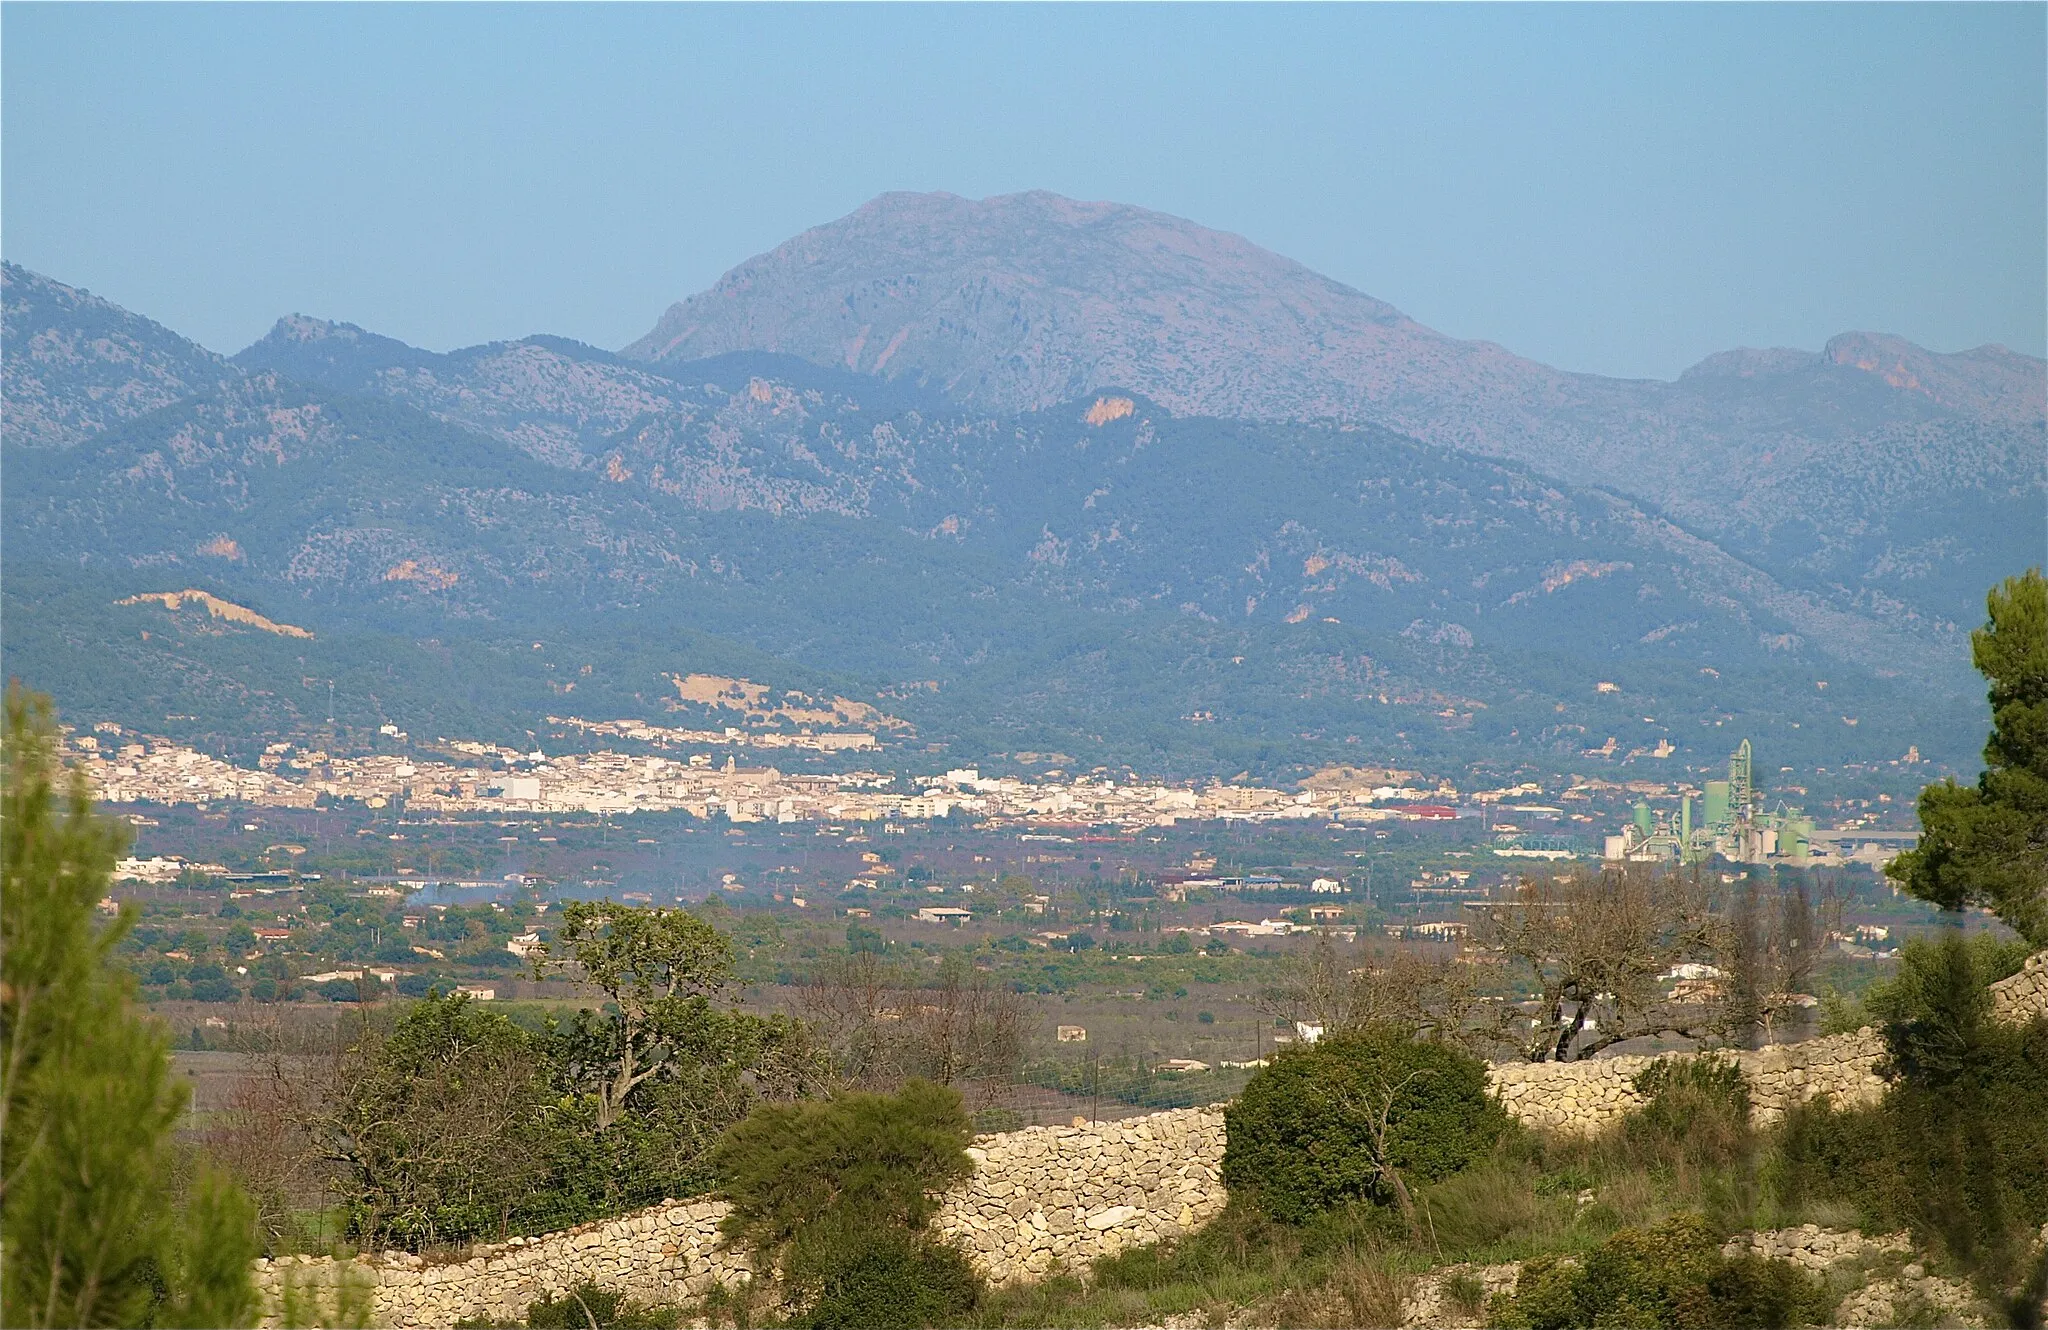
(1717, 803)
(1798, 838)
(1644, 822)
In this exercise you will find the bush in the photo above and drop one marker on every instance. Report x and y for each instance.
(588, 1304)
(1957, 1150)
(1306, 1135)
(1671, 1277)
(845, 1278)
(1698, 1111)
(836, 1195)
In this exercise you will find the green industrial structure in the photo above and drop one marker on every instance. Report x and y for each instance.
(1734, 822)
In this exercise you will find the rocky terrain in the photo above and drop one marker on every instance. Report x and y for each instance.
(74, 364)
(1103, 575)
(1889, 477)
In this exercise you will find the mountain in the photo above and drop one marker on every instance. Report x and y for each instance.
(72, 364)
(1890, 480)
(1101, 577)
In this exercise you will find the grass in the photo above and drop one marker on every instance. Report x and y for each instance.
(1532, 1195)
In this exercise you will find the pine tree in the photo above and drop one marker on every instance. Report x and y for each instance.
(1987, 844)
(95, 1229)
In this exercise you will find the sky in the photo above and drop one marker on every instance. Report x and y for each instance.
(1611, 188)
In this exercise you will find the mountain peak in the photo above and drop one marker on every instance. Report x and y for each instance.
(1989, 380)
(1020, 301)
(75, 364)
(338, 355)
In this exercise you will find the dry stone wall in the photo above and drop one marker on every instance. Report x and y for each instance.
(2023, 996)
(1045, 1194)
(1039, 1196)
(670, 1253)
(1584, 1097)
(1072, 1194)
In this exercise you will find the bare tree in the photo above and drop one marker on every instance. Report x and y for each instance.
(1430, 992)
(1771, 947)
(270, 1135)
(1596, 948)
(883, 1027)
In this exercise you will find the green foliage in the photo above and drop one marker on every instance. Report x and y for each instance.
(1958, 1148)
(1937, 1008)
(1353, 1114)
(848, 1279)
(714, 1067)
(1698, 1109)
(1988, 844)
(660, 968)
(877, 1156)
(459, 1123)
(1672, 1277)
(95, 1228)
(836, 1195)
(589, 1305)
(342, 1299)
(446, 1127)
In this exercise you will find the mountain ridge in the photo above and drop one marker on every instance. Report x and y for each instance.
(1092, 568)
(1794, 459)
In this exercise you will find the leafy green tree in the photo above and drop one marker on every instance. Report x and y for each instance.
(1987, 844)
(660, 968)
(836, 1195)
(94, 1227)
(443, 1127)
(1354, 1116)
(1958, 1148)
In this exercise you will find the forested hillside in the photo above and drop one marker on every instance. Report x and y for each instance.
(1878, 475)
(1099, 578)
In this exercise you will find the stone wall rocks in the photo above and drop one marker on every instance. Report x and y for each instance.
(1072, 1194)
(1583, 1097)
(1038, 1196)
(670, 1253)
(1064, 1195)
(2022, 997)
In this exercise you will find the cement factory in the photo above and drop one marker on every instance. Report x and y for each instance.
(1731, 821)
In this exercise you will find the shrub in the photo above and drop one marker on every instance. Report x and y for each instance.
(1351, 1116)
(1958, 1148)
(1698, 1110)
(1671, 1277)
(848, 1278)
(448, 1127)
(836, 1195)
(587, 1305)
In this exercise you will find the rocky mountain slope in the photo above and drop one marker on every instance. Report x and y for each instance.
(1101, 576)
(74, 364)
(1886, 477)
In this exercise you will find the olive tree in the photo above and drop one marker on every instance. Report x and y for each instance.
(1593, 949)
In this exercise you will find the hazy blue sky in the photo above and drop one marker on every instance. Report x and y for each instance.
(1610, 188)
